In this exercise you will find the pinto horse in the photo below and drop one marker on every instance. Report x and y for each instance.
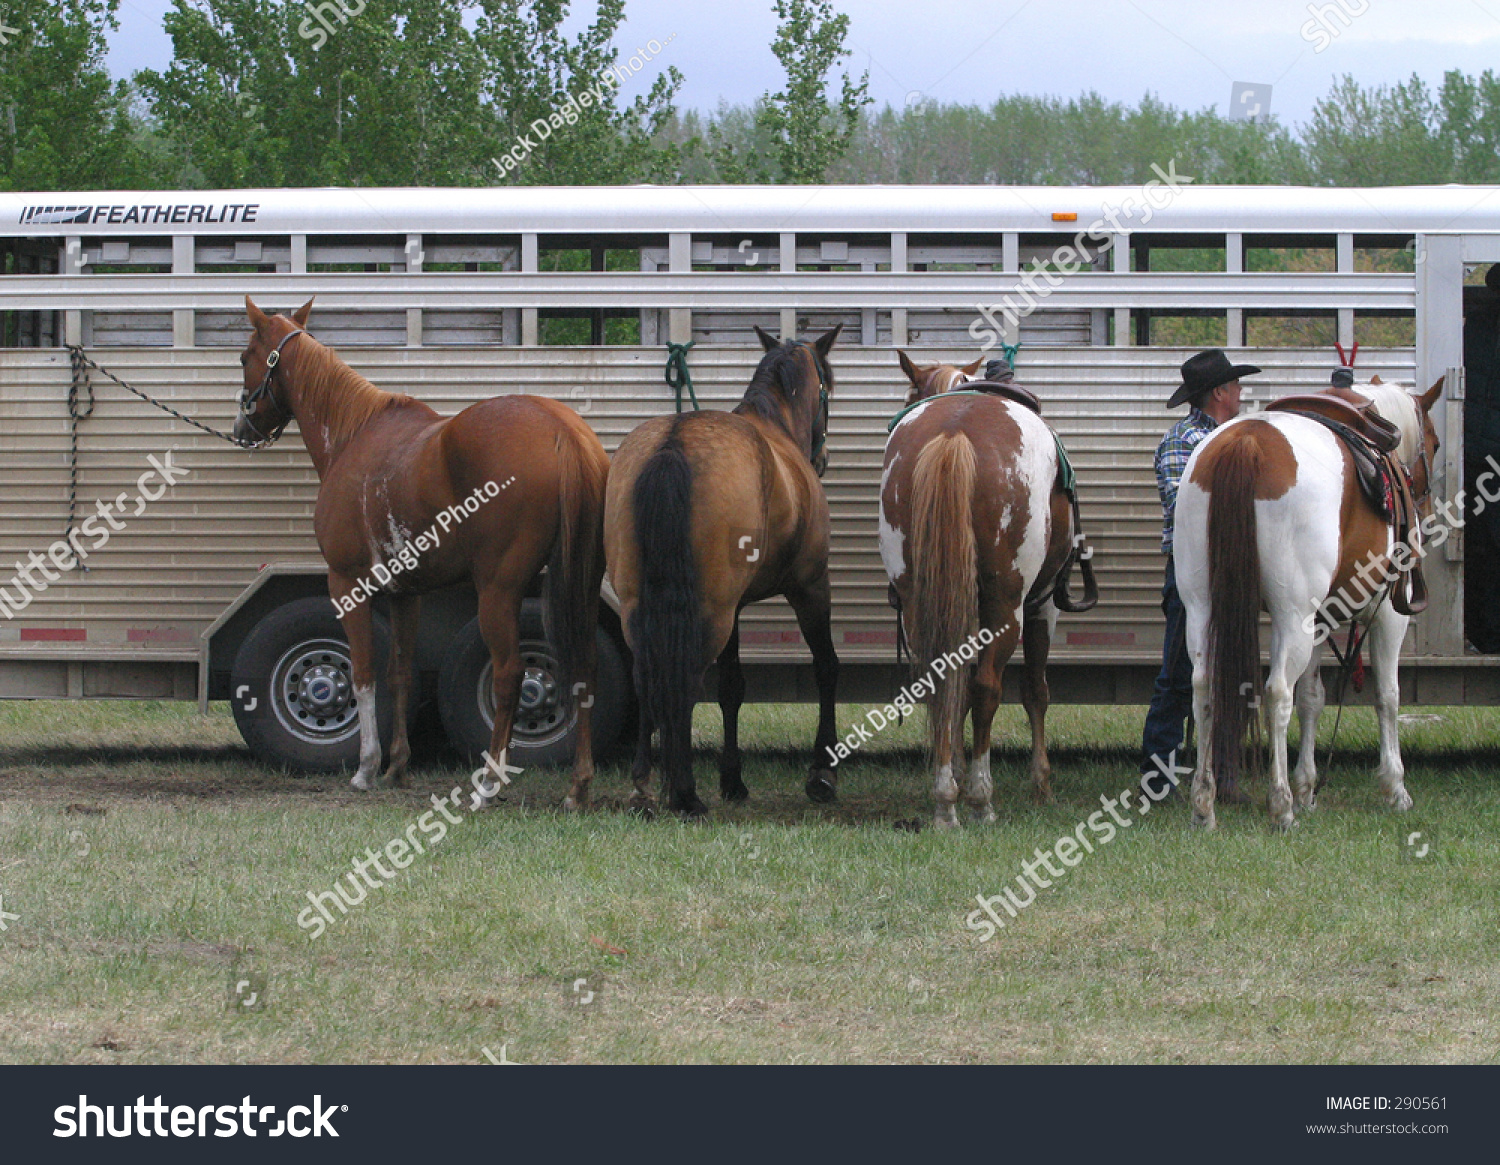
(1270, 515)
(389, 466)
(977, 535)
(704, 513)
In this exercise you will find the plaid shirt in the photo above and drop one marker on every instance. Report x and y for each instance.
(1171, 459)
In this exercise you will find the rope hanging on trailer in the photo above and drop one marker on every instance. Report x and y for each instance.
(677, 375)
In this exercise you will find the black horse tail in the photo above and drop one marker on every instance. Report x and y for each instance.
(666, 628)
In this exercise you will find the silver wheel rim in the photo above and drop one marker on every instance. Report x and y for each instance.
(540, 719)
(312, 692)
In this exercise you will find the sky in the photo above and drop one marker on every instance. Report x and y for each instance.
(1188, 53)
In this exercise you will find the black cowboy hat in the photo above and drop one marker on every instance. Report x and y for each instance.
(1205, 372)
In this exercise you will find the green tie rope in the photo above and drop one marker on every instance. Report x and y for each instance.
(677, 375)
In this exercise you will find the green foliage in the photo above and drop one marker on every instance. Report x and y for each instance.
(403, 93)
(63, 123)
(806, 130)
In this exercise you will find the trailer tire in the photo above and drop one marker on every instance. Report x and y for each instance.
(292, 688)
(542, 735)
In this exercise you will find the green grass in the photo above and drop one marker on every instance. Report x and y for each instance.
(778, 932)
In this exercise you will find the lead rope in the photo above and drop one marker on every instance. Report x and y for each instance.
(677, 375)
(81, 382)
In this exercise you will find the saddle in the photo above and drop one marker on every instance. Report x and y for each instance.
(1009, 390)
(1371, 441)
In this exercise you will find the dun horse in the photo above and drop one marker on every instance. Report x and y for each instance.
(706, 512)
(1271, 515)
(977, 535)
(520, 479)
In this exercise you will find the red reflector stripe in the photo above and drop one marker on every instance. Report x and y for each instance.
(54, 634)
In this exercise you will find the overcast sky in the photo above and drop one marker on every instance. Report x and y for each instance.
(1187, 52)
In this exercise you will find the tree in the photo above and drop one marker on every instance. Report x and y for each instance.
(807, 129)
(63, 124)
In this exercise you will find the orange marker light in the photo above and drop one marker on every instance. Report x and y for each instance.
(1064, 216)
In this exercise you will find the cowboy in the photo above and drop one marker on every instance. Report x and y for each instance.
(1211, 386)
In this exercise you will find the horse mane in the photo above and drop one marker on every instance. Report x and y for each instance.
(776, 380)
(1398, 406)
(343, 400)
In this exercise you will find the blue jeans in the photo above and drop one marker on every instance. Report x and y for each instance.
(1172, 700)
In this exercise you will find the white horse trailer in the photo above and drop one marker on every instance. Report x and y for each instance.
(457, 295)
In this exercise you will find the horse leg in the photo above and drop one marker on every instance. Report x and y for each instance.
(731, 696)
(984, 700)
(582, 699)
(406, 611)
(1204, 791)
(356, 621)
(500, 625)
(1311, 698)
(812, 607)
(1387, 630)
(1036, 643)
(1291, 651)
(643, 800)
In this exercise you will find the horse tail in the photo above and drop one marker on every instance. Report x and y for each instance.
(666, 627)
(575, 567)
(1234, 597)
(945, 573)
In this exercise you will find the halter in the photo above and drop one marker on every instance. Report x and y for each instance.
(248, 399)
(822, 437)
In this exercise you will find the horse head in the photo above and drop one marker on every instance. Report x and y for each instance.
(1411, 413)
(265, 409)
(781, 389)
(930, 379)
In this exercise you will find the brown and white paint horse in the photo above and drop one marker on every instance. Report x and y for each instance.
(389, 465)
(975, 529)
(931, 379)
(1270, 516)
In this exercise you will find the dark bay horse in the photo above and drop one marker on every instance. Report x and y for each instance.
(411, 502)
(976, 532)
(704, 513)
(1271, 516)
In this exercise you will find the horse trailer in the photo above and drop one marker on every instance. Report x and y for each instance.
(150, 558)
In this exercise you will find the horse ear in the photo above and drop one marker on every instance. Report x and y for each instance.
(258, 318)
(767, 341)
(970, 369)
(1375, 378)
(825, 342)
(1430, 397)
(301, 314)
(908, 367)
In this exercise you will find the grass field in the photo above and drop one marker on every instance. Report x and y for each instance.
(154, 869)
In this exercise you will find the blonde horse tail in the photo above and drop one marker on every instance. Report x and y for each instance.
(945, 574)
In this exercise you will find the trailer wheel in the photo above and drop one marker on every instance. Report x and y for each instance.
(294, 699)
(543, 733)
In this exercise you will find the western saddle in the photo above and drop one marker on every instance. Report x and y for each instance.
(1371, 441)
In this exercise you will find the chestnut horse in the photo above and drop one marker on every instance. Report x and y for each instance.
(1270, 516)
(977, 535)
(704, 513)
(520, 480)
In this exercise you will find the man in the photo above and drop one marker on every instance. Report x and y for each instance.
(1211, 386)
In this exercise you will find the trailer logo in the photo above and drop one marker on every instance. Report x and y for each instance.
(179, 213)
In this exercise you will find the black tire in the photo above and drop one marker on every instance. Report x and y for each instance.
(542, 736)
(293, 694)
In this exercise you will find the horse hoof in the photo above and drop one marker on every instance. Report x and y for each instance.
(984, 815)
(1205, 823)
(1284, 824)
(644, 810)
(944, 823)
(736, 792)
(360, 782)
(572, 804)
(821, 789)
(694, 811)
(1400, 802)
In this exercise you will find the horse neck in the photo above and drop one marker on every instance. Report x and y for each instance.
(331, 401)
(1398, 406)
